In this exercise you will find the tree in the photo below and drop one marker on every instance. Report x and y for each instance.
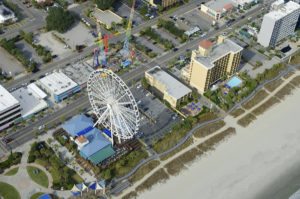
(60, 20)
(145, 84)
(104, 4)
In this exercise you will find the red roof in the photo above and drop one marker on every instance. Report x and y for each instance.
(205, 44)
(81, 139)
(228, 6)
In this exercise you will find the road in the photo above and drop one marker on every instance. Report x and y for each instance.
(27, 133)
(38, 23)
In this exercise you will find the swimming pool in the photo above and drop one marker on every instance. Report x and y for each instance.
(234, 82)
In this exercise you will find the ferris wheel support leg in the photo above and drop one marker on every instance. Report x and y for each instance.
(103, 117)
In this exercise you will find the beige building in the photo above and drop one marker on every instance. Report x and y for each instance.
(163, 3)
(212, 61)
(173, 90)
(216, 9)
(106, 17)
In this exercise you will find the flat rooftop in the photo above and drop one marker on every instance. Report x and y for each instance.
(79, 72)
(279, 9)
(30, 102)
(7, 100)
(57, 83)
(218, 51)
(173, 87)
(107, 16)
(242, 2)
(218, 5)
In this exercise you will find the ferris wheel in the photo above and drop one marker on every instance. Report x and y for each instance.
(113, 104)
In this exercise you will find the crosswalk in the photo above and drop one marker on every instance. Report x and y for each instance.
(16, 25)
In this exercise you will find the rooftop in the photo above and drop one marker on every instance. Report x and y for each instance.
(7, 100)
(57, 83)
(96, 142)
(78, 124)
(280, 9)
(30, 103)
(107, 16)
(219, 5)
(218, 51)
(205, 43)
(5, 13)
(81, 139)
(173, 87)
(79, 72)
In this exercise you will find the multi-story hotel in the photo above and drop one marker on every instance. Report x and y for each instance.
(279, 23)
(10, 109)
(173, 90)
(212, 61)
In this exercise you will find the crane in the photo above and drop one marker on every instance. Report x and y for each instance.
(125, 52)
(99, 50)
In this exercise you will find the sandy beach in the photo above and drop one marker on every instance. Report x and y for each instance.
(261, 161)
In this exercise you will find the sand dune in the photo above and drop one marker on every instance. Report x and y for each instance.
(261, 161)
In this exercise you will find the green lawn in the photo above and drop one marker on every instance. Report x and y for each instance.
(12, 172)
(40, 177)
(36, 195)
(8, 192)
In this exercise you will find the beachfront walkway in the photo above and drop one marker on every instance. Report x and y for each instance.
(230, 122)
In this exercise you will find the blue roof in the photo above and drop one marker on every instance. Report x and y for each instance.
(96, 143)
(107, 132)
(45, 196)
(78, 124)
(93, 186)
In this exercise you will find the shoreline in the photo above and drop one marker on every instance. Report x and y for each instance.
(273, 179)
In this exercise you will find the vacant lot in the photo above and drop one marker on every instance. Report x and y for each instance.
(9, 64)
(246, 120)
(257, 98)
(265, 106)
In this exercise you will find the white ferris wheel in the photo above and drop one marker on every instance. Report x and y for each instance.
(113, 104)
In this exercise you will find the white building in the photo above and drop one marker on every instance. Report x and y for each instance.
(59, 86)
(279, 23)
(6, 15)
(31, 99)
(9, 108)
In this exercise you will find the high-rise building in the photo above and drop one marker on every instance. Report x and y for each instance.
(10, 109)
(163, 3)
(212, 61)
(279, 23)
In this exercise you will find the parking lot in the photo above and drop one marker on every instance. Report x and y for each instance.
(9, 64)
(157, 119)
(155, 48)
(124, 11)
(51, 43)
(78, 35)
(194, 18)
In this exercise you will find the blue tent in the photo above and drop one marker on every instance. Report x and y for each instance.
(45, 196)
